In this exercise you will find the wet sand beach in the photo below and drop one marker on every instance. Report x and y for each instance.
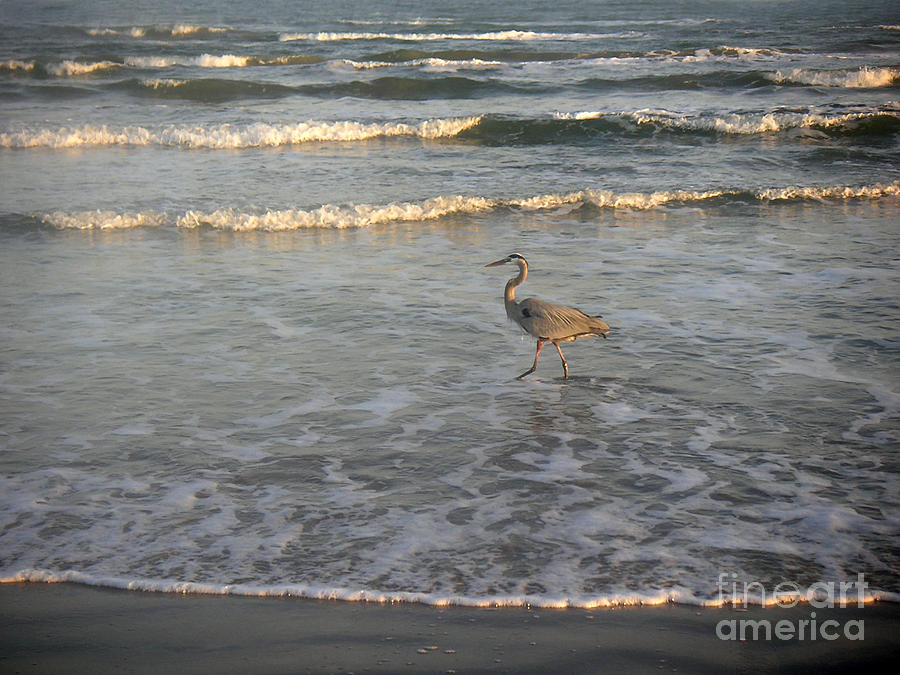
(74, 628)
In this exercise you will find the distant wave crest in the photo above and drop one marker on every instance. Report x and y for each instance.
(67, 68)
(220, 61)
(505, 35)
(332, 216)
(181, 30)
(446, 58)
(434, 63)
(75, 68)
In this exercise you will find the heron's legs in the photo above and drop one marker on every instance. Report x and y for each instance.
(565, 365)
(540, 345)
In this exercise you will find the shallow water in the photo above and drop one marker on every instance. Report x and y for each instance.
(252, 347)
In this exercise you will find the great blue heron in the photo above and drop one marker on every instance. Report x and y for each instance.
(544, 320)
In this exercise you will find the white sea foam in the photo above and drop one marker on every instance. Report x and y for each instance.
(583, 115)
(730, 124)
(202, 61)
(227, 136)
(277, 419)
(749, 123)
(16, 65)
(834, 192)
(607, 199)
(189, 29)
(864, 78)
(224, 61)
(506, 35)
(67, 68)
(177, 30)
(151, 61)
(306, 413)
(214, 61)
(619, 413)
(419, 21)
(365, 215)
(642, 201)
(161, 83)
(734, 123)
(725, 52)
(427, 63)
(616, 598)
(103, 220)
(332, 216)
(336, 217)
(134, 31)
(70, 68)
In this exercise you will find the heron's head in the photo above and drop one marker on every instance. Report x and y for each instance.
(512, 257)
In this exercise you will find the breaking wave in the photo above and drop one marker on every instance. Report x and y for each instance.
(67, 68)
(561, 127)
(337, 217)
(460, 58)
(160, 32)
(105, 220)
(75, 68)
(221, 61)
(332, 216)
(862, 78)
(230, 137)
(621, 598)
(742, 124)
(432, 62)
(495, 36)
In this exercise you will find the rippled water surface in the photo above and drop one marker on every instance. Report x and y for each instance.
(251, 345)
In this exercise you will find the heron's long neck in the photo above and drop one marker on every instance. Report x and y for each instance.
(509, 294)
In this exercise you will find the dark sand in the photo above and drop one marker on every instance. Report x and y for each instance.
(73, 628)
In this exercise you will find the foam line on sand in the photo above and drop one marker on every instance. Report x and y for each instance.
(76, 628)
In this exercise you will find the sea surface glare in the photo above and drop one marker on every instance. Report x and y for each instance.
(249, 344)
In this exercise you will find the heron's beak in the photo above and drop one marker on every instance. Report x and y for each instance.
(498, 262)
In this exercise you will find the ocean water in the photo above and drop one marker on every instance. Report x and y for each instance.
(249, 344)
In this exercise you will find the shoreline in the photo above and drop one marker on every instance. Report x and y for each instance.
(71, 627)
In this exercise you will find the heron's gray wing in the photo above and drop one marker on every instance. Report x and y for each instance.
(558, 322)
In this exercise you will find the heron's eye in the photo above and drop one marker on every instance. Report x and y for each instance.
(526, 313)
